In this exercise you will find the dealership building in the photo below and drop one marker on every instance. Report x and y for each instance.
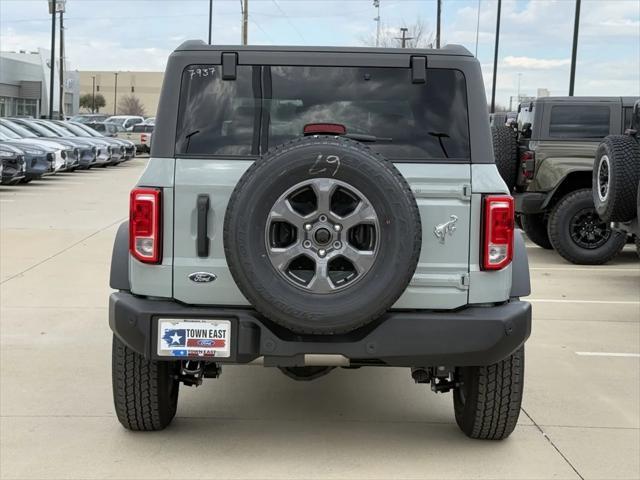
(24, 85)
(115, 85)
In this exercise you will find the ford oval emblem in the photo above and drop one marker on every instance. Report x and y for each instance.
(202, 277)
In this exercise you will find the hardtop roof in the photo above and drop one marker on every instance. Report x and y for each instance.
(199, 45)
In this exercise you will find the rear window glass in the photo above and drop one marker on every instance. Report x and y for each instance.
(142, 128)
(248, 115)
(579, 121)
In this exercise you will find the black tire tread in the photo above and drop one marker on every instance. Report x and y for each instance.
(492, 409)
(624, 174)
(505, 150)
(535, 227)
(137, 392)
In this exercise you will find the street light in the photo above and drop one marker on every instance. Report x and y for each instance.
(115, 92)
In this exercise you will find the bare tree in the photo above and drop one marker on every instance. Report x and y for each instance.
(131, 105)
(390, 36)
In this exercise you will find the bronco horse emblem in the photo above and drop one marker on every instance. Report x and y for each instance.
(441, 231)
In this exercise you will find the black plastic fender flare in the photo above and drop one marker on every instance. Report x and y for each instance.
(520, 281)
(119, 277)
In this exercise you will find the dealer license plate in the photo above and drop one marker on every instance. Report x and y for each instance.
(194, 338)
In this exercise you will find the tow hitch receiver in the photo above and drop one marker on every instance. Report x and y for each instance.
(442, 379)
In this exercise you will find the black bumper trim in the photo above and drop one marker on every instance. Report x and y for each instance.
(470, 336)
(531, 202)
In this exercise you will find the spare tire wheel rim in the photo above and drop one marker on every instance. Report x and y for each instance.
(603, 178)
(322, 235)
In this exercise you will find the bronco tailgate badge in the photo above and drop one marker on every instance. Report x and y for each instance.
(202, 277)
(441, 231)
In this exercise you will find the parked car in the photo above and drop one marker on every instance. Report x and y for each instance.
(547, 160)
(115, 149)
(84, 152)
(89, 117)
(140, 135)
(129, 147)
(39, 159)
(104, 153)
(107, 129)
(67, 157)
(125, 121)
(350, 235)
(150, 121)
(616, 179)
(13, 166)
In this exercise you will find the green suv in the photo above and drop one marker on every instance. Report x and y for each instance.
(547, 161)
(314, 208)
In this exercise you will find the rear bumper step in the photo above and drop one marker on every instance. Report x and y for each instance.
(470, 336)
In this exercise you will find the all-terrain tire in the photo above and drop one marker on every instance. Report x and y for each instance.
(564, 229)
(505, 150)
(487, 402)
(616, 173)
(535, 227)
(294, 163)
(145, 392)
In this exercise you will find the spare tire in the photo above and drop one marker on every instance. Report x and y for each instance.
(616, 172)
(505, 150)
(322, 235)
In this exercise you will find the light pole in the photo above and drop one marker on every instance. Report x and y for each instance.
(210, 18)
(495, 59)
(574, 49)
(52, 64)
(438, 16)
(115, 92)
(404, 37)
(93, 94)
(245, 21)
(376, 4)
(60, 8)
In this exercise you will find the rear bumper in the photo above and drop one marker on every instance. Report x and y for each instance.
(530, 202)
(471, 336)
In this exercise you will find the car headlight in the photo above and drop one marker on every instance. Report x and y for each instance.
(5, 154)
(30, 151)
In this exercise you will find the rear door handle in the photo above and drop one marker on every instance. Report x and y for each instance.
(202, 239)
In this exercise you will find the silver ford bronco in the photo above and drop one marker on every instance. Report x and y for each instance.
(314, 208)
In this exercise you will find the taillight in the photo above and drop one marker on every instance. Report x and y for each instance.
(143, 138)
(145, 242)
(497, 248)
(527, 164)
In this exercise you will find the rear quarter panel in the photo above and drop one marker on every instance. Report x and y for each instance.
(556, 159)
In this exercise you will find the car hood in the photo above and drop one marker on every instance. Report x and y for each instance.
(47, 147)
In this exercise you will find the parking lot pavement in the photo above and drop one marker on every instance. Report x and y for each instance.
(580, 419)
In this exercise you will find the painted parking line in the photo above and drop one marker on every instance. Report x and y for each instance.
(6, 200)
(603, 302)
(608, 354)
(590, 270)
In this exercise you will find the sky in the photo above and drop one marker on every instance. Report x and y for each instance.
(535, 36)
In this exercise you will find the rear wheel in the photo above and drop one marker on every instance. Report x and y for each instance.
(535, 227)
(487, 401)
(145, 392)
(579, 235)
